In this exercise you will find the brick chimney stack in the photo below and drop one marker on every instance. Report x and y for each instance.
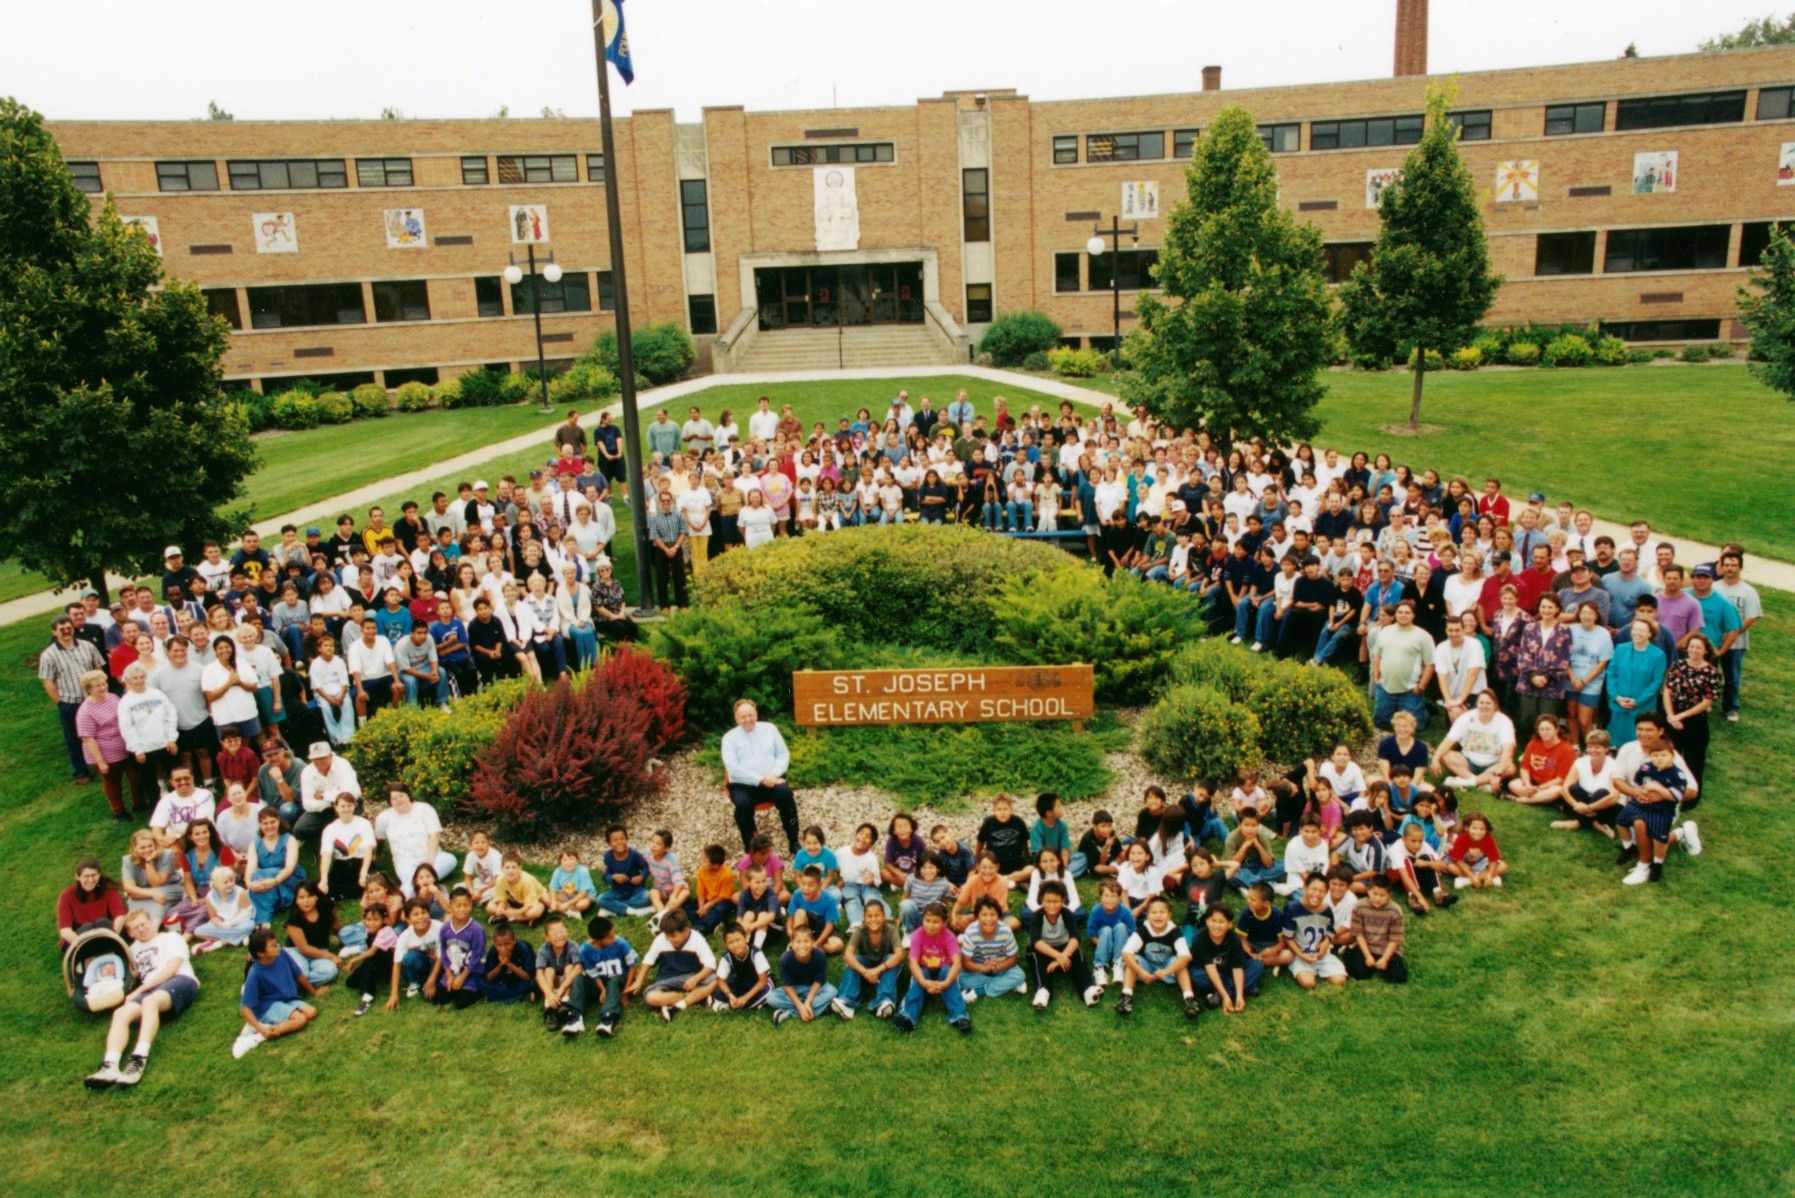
(1212, 79)
(1411, 37)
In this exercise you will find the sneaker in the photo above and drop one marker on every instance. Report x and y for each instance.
(1041, 999)
(1253, 990)
(968, 996)
(246, 1039)
(131, 1072)
(667, 1014)
(99, 1079)
(1639, 873)
(1460, 883)
(962, 1025)
(1692, 839)
(1656, 872)
(365, 1005)
(1125, 1004)
(841, 1010)
(1732, 717)
(1234, 640)
(718, 1005)
(902, 1022)
(1212, 1000)
(1100, 977)
(885, 1010)
(779, 1017)
(1442, 899)
(1628, 854)
(1496, 881)
(573, 1027)
(413, 990)
(1256, 648)
(606, 1028)
(1192, 1008)
(1093, 996)
(654, 922)
(640, 911)
(1458, 783)
(210, 946)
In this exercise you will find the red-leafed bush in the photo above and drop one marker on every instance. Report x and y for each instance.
(576, 758)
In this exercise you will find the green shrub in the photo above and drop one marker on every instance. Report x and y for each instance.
(1523, 353)
(1637, 356)
(1217, 665)
(496, 698)
(295, 409)
(1720, 350)
(1695, 353)
(335, 408)
(483, 389)
(386, 747)
(370, 401)
(1076, 363)
(414, 397)
(1662, 352)
(1569, 350)
(1466, 358)
(663, 353)
(1434, 360)
(913, 585)
(1611, 351)
(258, 409)
(1127, 629)
(1013, 336)
(582, 382)
(724, 652)
(442, 765)
(1197, 733)
(447, 393)
(1304, 712)
(516, 387)
(1491, 346)
(1036, 360)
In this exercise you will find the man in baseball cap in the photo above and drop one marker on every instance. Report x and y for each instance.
(174, 573)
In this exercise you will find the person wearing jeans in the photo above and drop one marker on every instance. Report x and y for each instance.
(59, 668)
(992, 966)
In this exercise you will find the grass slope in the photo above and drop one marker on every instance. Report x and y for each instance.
(1561, 1028)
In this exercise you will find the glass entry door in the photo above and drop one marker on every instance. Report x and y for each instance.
(826, 296)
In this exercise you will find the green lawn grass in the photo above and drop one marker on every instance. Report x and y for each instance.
(1564, 1030)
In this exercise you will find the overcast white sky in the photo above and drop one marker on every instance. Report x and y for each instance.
(309, 59)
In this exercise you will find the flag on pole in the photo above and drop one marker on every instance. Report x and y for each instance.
(617, 40)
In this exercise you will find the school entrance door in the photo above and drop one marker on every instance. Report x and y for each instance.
(829, 296)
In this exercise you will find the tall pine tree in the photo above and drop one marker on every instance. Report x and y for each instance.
(1236, 339)
(1429, 282)
(115, 439)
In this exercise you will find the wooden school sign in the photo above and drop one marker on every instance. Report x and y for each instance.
(950, 695)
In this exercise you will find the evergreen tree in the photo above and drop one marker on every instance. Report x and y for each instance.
(1237, 338)
(115, 439)
(1429, 280)
(1767, 308)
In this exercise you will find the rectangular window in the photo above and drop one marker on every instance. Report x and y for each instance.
(1576, 118)
(1124, 147)
(300, 305)
(975, 204)
(222, 301)
(1282, 139)
(607, 291)
(187, 176)
(572, 294)
(1472, 126)
(414, 374)
(1065, 151)
(473, 170)
(539, 168)
(1065, 271)
(401, 299)
(1663, 330)
(1774, 103)
(1339, 258)
(280, 174)
(695, 215)
(1687, 247)
(834, 153)
(595, 168)
(87, 176)
(1184, 142)
(383, 172)
(978, 303)
(1754, 239)
(1668, 112)
(1135, 268)
(1378, 131)
(489, 295)
(1565, 254)
(701, 310)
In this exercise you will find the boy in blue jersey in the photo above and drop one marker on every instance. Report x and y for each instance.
(687, 969)
(1311, 935)
(1264, 929)
(626, 871)
(607, 959)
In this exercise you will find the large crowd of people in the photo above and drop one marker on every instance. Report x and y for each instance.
(1566, 671)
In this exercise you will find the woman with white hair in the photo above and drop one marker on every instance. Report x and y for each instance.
(150, 725)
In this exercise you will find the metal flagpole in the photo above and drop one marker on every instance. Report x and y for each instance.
(626, 364)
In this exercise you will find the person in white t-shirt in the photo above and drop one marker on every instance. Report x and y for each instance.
(371, 669)
(1479, 749)
(180, 806)
(166, 986)
(694, 507)
(414, 833)
(1590, 794)
(345, 850)
(1460, 669)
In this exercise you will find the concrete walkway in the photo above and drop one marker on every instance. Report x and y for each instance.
(1759, 571)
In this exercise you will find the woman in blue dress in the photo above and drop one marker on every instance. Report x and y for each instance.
(275, 873)
(1635, 677)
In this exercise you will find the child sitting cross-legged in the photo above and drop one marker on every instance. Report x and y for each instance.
(989, 956)
(935, 967)
(508, 975)
(1226, 972)
(1157, 952)
(687, 968)
(518, 896)
(813, 908)
(874, 959)
(1054, 950)
(1377, 932)
(570, 887)
(804, 991)
(1474, 855)
(270, 1004)
(744, 980)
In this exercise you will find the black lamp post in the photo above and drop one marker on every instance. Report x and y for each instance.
(1095, 247)
(551, 271)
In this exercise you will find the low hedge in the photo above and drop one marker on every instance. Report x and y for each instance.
(1197, 732)
(725, 652)
(1301, 711)
(1015, 336)
(1128, 630)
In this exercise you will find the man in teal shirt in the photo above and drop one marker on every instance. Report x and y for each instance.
(663, 436)
(1720, 617)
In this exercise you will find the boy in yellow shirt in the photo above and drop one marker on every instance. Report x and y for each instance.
(517, 895)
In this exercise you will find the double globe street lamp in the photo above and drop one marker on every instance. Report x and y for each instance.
(551, 273)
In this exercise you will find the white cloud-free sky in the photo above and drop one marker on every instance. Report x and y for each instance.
(311, 59)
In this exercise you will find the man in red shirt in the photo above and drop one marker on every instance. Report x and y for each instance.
(1493, 503)
(1544, 765)
(1489, 600)
(1535, 580)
